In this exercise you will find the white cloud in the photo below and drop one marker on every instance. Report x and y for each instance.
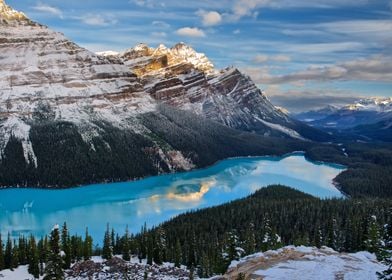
(326, 47)
(374, 68)
(44, 8)
(190, 32)
(97, 20)
(237, 31)
(281, 58)
(246, 7)
(210, 18)
(160, 24)
(159, 34)
(147, 3)
(300, 100)
(243, 8)
(261, 58)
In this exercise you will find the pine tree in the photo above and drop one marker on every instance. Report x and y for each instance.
(8, 252)
(22, 250)
(113, 241)
(142, 251)
(191, 261)
(125, 248)
(2, 264)
(66, 246)
(204, 268)
(150, 248)
(54, 266)
(43, 251)
(270, 239)
(387, 254)
(373, 243)
(160, 246)
(33, 258)
(87, 246)
(250, 241)
(231, 250)
(107, 249)
(15, 256)
(332, 234)
(177, 254)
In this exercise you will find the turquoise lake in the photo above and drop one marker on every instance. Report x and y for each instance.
(156, 199)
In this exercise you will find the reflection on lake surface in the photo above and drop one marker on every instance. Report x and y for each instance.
(156, 199)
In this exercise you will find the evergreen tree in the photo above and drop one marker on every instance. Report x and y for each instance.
(387, 253)
(15, 257)
(87, 246)
(54, 265)
(125, 248)
(250, 239)
(150, 248)
(107, 249)
(43, 251)
(191, 261)
(270, 239)
(159, 246)
(66, 246)
(232, 251)
(373, 243)
(142, 250)
(2, 264)
(204, 268)
(113, 242)
(8, 252)
(177, 254)
(22, 250)
(33, 258)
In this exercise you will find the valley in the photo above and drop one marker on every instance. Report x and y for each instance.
(191, 169)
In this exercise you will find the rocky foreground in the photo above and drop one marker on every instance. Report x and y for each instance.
(290, 262)
(305, 263)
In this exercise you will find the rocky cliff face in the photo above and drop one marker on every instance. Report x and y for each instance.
(69, 116)
(183, 78)
(43, 73)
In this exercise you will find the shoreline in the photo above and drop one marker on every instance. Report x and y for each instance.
(273, 158)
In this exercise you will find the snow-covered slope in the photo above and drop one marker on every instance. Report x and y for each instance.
(371, 104)
(181, 77)
(69, 116)
(41, 69)
(302, 263)
(362, 112)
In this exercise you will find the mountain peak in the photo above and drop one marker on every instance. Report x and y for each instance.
(9, 14)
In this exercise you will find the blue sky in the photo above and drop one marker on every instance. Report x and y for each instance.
(316, 51)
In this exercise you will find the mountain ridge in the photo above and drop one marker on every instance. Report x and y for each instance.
(181, 77)
(70, 117)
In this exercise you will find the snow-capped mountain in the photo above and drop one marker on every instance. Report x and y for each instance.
(362, 112)
(69, 116)
(41, 69)
(371, 104)
(181, 77)
(316, 114)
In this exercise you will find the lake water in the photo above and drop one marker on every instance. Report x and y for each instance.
(156, 199)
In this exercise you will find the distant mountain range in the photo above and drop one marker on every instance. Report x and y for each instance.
(367, 119)
(69, 116)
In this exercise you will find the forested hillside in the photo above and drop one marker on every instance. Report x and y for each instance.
(208, 240)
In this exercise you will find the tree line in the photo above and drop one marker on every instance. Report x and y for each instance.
(206, 241)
